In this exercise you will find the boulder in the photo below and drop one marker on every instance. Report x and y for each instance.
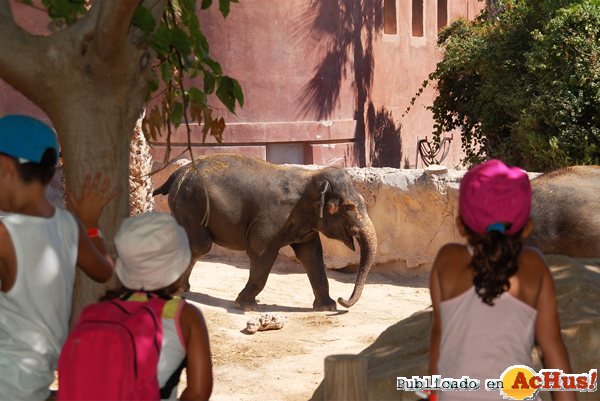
(403, 349)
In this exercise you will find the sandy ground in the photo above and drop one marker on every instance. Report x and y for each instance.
(288, 364)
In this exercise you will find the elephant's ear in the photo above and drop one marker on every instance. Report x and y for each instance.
(322, 203)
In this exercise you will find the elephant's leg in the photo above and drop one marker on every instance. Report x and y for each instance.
(260, 267)
(311, 255)
(200, 244)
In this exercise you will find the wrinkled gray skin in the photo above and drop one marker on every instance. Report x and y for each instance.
(259, 207)
(565, 209)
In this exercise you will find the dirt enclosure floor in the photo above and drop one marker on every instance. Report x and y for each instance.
(288, 364)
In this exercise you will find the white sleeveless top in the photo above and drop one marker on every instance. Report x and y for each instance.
(173, 349)
(34, 314)
(481, 341)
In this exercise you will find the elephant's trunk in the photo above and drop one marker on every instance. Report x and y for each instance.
(367, 240)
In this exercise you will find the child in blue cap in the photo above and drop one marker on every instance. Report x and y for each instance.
(39, 248)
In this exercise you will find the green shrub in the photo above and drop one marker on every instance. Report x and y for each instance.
(524, 88)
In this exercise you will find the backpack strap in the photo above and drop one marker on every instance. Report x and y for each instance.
(126, 296)
(165, 391)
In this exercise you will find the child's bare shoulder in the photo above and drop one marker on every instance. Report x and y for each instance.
(532, 256)
(533, 263)
(448, 256)
(451, 250)
(191, 317)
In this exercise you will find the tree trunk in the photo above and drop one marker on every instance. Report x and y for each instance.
(91, 79)
(95, 133)
(109, 154)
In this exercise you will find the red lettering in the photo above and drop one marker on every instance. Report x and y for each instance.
(593, 380)
(533, 382)
(566, 382)
(582, 382)
(520, 380)
(554, 380)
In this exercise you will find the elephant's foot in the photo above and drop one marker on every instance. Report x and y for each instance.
(325, 305)
(246, 304)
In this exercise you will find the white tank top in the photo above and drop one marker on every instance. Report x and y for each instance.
(481, 341)
(34, 314)
(173, 349)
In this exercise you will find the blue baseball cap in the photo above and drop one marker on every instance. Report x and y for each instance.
(26, 138)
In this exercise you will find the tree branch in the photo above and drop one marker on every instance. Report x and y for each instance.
(6, 11)
(20, 57)
(112, 27)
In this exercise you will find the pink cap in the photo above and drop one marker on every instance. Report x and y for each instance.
(495, 193)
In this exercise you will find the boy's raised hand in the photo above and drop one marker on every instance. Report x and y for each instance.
(92, 201)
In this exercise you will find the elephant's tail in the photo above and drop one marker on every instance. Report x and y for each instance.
(164, 188)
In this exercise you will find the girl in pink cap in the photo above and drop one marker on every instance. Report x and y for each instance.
(493, 297)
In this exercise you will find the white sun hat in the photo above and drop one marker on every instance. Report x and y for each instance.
(154, 251)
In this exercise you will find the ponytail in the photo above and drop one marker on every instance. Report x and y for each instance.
(494, 261)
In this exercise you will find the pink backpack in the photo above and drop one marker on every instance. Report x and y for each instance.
(112, 352)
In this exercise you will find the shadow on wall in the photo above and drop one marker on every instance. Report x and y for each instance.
(386, 140)
(340, 33)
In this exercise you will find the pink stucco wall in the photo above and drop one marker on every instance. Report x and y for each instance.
(322, 81)
(323, 74)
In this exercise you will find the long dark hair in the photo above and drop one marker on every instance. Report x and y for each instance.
(494, 261)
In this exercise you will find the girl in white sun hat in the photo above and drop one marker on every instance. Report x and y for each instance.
(154, 254)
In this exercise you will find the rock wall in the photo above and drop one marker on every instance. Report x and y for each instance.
(413, 212)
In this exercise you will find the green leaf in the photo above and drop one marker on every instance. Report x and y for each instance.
(176, 114)
(179, 40)
(237, 92)
(28, 2)
(201, 49)
(209, 83)
(190, 20)
(224, 7)
(144, 19)
(188, 6)
(196, 95)
(165, 71)
(214, 66)
(205, 4)
(194, 72)
(225, 93)
(154, 85)
(160, 44)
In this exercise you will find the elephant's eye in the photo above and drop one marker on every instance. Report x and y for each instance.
(347, 207)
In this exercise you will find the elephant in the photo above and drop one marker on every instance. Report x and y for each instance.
(565, 209)
(259, 207)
